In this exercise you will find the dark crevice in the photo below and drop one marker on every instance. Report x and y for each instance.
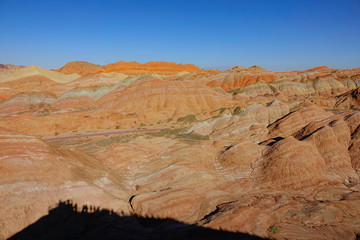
(348, 116)
(277, 120)
(207, 218)
(308, 135)
(227, 148)
(355, 132)
(271, 141)
(130, 201)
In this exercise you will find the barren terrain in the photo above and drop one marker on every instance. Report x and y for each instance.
(271, 154)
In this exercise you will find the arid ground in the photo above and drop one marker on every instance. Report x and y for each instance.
(271, 154)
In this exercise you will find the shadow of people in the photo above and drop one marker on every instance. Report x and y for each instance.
(65, 222)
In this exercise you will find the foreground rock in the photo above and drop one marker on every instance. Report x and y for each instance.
(36, 175)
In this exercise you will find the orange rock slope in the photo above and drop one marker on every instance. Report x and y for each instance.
(80, 67)
(240, 76)
(128, 68)
(135, 68)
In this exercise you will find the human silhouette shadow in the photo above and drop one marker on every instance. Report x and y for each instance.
(66, 221)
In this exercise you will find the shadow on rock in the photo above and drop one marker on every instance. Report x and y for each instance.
(66, 221)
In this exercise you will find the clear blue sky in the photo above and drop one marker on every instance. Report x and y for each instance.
(275, 34)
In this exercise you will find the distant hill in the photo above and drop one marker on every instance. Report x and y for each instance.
(128, 68)
(80, 67)
(220, 68)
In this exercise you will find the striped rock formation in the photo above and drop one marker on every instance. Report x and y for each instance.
(274, 154)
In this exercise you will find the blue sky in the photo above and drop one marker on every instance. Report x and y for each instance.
(275, 34)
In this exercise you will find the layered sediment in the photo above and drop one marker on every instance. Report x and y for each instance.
(272, 154)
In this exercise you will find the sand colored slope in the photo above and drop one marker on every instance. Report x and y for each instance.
(24, 102)
(296, 120)
(350, 99)
(33, 70)
(293, 164)
(333, 150)
(37, 164)
(98, 80)
(155, 99)
(36, 83)
(9, 68)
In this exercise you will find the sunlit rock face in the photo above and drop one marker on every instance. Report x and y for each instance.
(135, 68)
(273, 154)
(129, 68)
(80, 67)
(350, 99)
(154, 100)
